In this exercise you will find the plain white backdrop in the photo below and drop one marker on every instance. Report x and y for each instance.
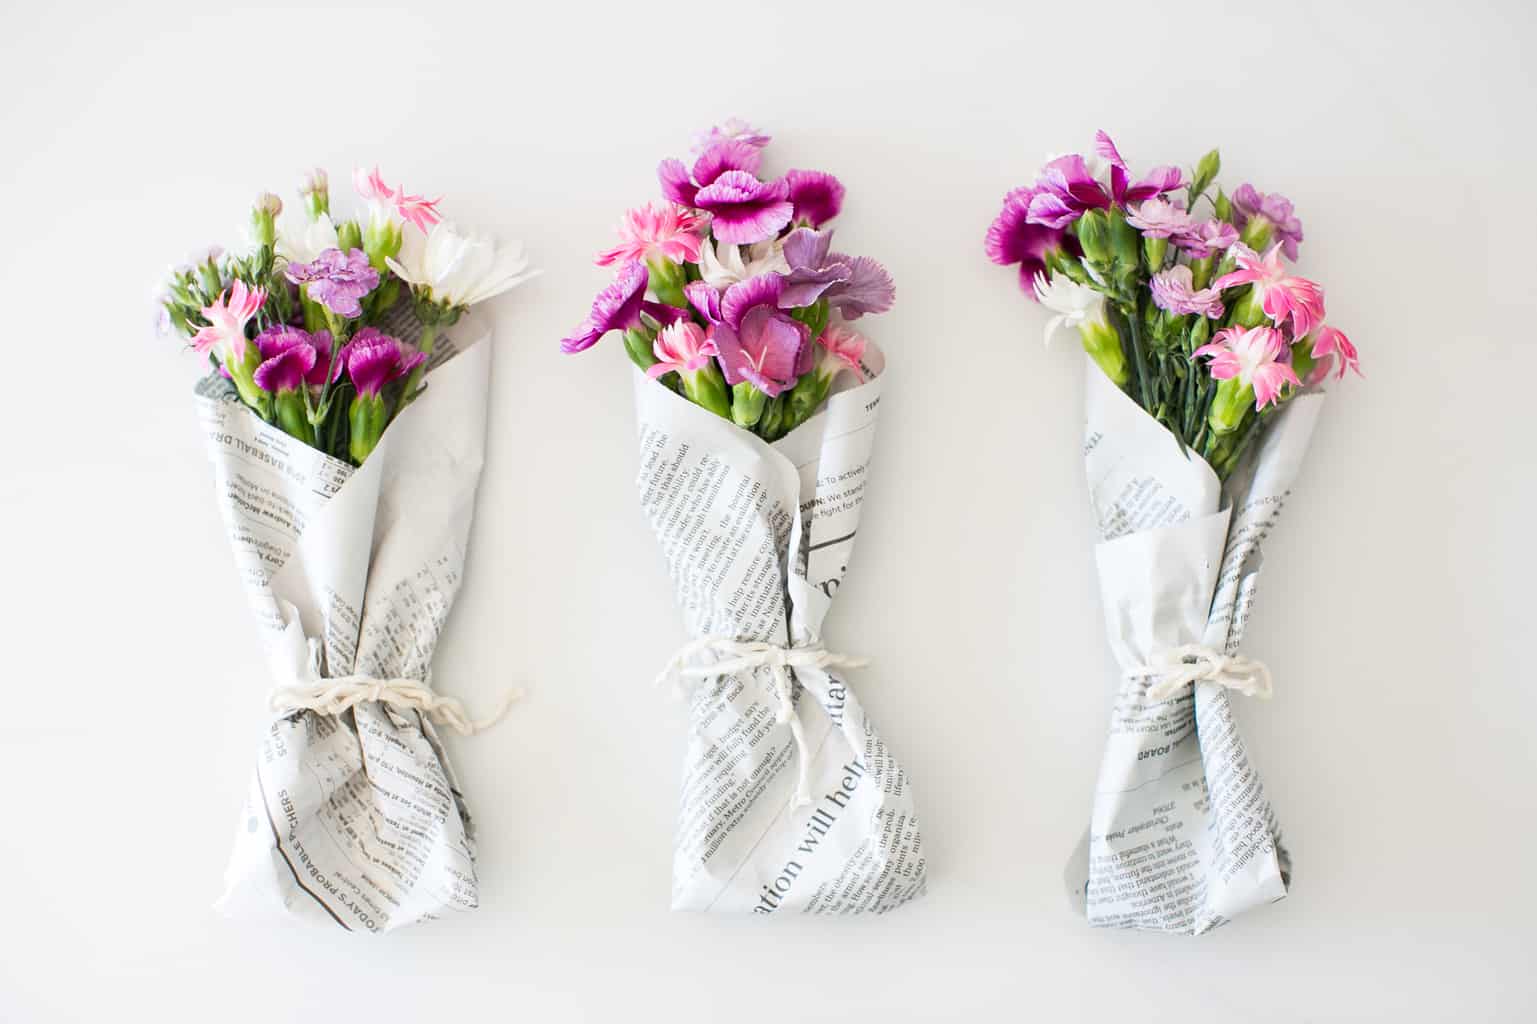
(1395, 610)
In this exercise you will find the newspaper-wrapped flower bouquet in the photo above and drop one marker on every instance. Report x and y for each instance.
(757, 403)
(1211, 354)
(345, 415)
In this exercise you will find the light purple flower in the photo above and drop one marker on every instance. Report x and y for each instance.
(853, 285)
(374, 359)
(745, 210)
(617, 308)
(1159, 218)
(1207, 238)
(291, 357)
(757, 341)
(1274, 207)
(1013, 239)
(733, 129)
(337, 281)
(812, 271)
(816, 195)
(682, 185)
(1174, 291)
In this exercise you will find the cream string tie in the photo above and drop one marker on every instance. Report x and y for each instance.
(740, 656)
(1179, 667)
(336, 695)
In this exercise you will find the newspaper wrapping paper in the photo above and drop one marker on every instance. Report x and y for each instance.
(355, 820)
(757, 538)
(1182, 837)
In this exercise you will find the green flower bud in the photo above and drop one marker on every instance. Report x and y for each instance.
(368, 416)
(1249, 310)
(706, 387)
(1200, 272)
(1205, 174)
(1125, 243)
(267, 207)
(349, 236)
(1256, 234)
(316, 190)
(809, 393)
(772, 425)
(1094, 237)
(814, 317)
(1230, 406)
(209, 279)
(1103, 344)
(1224, 207)
(667, 281)
(1303, 362)
(293, 417)
(747, 404)
(637, 343)
(1200, 333)
(1155, 250)
(381, 241)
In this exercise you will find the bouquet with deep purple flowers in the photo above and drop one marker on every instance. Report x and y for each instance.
(1154, 287)
(347, 486)
(748, 308)
(791, 803)
(1211, 353)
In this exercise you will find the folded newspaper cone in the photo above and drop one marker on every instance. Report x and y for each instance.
(355, 819)
(1182, 836)
(791, 801)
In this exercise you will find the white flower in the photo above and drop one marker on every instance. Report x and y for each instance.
(721, 265)
(456, 270)
(301, 240)
(1076, 305)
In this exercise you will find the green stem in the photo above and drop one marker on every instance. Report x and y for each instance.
(413, 382)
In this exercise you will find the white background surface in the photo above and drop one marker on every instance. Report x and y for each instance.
(1395, 611)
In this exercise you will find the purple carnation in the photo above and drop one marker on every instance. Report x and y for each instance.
(853, 285)
(374, 359)
(1173, 290)
(291, 357)
(816, 195)
(1274, 207)
(1206, 238)
(337, 281)
(617, 308)
(1013, 239)
(745, 210)
(757, 341)
(682, 185)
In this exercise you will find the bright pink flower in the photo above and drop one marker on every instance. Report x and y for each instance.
(1282, 295)
(1332, 348)
(383, 200)
(226, 321)
(681, 347)
(1254, 357)
(663, 230)
(843, 346)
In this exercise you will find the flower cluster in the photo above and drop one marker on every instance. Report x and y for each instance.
(1196, 317)
(299, 324)
(729, 290)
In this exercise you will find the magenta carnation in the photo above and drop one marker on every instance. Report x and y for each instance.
(744, 209)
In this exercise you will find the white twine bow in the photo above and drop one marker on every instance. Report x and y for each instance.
(336, 695)
(1179, 667)
(740, 656)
